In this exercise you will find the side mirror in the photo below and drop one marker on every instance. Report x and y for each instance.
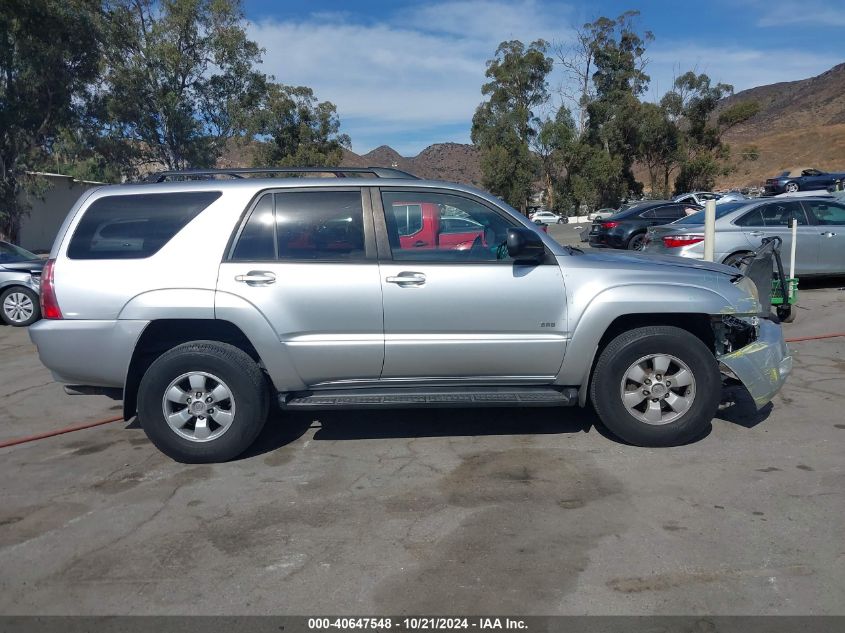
(525, 245)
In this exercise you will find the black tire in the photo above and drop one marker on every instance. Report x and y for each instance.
(791, 187)
(636, 243)
(622, 352)
(9, 319)
(244, 380)
(735, 259)
(786, 314)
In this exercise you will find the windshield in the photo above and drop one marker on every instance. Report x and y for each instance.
(721, 211)
(10, 253)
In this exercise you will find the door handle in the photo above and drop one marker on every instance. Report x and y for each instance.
(257, 278)
(756, 233)
(828, 234)
(419, 243)
(407, 279)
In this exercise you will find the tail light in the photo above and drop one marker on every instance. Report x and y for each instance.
(49, 305)
(676, 241)
(609, 225)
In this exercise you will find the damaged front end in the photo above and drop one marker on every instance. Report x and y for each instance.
(752, 350)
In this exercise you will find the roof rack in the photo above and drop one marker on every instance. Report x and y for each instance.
(239, 172)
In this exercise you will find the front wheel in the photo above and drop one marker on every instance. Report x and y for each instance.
(20, 306)
(203, 401)
(791, 187)
(656, 386)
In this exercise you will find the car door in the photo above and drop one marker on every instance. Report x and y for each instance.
(815, 179)
(830, 225)
(775, 219)
(466, 314)
(306, 260)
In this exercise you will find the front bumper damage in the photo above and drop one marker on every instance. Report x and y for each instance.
(763, 365)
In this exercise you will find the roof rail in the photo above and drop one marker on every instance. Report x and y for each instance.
(240, 172)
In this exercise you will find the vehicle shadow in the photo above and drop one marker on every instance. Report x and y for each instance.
(738, 408)
(285, 428)
(822, 283)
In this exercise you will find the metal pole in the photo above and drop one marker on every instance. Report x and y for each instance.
(792, 250)
(709, 230)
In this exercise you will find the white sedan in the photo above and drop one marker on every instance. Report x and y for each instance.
(547, 217)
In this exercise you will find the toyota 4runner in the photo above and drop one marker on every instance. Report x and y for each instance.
(199, 297)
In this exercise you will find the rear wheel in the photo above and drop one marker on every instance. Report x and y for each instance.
(637, 243)
(20, 306)
(656, 386)
(735, 259)
(203, 401)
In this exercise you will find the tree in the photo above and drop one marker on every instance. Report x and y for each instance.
(604, 77)
(660, 147)
(554, 146)
(180, 82)
(505, 124)
(619, 80)
(301, 131)
(49, 53)
(692, 103)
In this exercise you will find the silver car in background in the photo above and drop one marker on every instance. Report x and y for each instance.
(20, 282)
(741, 227)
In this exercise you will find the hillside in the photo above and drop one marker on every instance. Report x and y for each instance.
(800, 123)
(442, 161)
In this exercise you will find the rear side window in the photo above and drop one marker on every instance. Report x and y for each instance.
(135, 227)
(672, 212)
(258, 240)
(754, 218)
(309, 225)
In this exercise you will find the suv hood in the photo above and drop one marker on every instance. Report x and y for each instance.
(32, 266)
(632, 258)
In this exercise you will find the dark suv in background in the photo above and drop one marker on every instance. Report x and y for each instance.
(627, 228)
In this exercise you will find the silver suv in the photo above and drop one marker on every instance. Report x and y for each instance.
(201, 296)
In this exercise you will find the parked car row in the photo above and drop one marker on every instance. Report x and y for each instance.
(20, 282)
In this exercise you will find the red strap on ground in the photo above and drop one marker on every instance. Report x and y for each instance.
(798, 339)
(67, 429)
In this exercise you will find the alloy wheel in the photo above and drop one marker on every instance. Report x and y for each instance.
(658, 389)
(198, 406)
(18, 307)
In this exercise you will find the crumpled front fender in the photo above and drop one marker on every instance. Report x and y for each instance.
(762, 366)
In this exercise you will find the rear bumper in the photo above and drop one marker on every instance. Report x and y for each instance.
(83, 352)
(606, 240)
(764, 365)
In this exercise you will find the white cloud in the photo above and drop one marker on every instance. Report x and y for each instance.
(421, 67)
(791, 14)
(741, 67)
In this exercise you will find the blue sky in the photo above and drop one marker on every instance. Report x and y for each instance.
(408, 74)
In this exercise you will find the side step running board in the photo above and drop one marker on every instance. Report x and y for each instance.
(447, 397)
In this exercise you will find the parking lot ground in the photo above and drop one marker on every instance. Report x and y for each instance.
(450, 512)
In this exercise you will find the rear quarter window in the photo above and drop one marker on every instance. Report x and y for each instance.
(135, 226)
